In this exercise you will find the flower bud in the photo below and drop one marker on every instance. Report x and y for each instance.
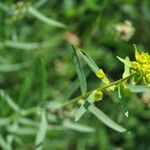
(100, 74)
(98, 95)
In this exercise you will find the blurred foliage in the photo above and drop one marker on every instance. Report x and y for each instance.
(36, 67)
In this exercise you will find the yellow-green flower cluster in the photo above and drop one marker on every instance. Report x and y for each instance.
(142, 65)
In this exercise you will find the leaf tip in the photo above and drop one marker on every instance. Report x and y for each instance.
(126, 114)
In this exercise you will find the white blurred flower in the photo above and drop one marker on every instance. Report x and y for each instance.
(125, 30)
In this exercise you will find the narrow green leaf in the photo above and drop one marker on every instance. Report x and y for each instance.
(40, 3)
(41, 134)
(125, 61)
(25, 88)
(105, 119)
(42, 78)
(24, 45)
(3, 144)
(83, 108)
(6, 8)
(22, 131)
(138, 88)
(89, 61)
(81, 75)
(126, 69)
(77, 126)
(9, 101)
(41, 17)
(13, 67)
(122, 97)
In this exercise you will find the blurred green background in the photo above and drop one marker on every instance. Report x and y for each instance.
(36, 67)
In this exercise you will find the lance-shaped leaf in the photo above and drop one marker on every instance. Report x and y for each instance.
(33, 11)
(122, 93)
(9, 101)
(77, 126)
(14, 67)
(80, 72)
(105, 119)
(138, 88)
(41, 134)
(93, 66)
(83, 108)
(89, 61)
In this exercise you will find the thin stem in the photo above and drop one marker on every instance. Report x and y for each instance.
(100, 88)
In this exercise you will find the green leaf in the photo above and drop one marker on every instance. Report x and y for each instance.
(9, 101)
(125, 61)
(3, 144)
(105, 119)
(81, 75)
(13, 67)
(83, 108)
(40, 3)
(138, 88)
(6, 8)
(89, 61)
(41, 17)
(77, 126)
(126, 69)
(24, 45)
(122, 96)
(41, 134)
(42, 78)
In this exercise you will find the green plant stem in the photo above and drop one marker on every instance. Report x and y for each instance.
(100, 88)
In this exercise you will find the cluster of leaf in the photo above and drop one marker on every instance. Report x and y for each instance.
(37, 75)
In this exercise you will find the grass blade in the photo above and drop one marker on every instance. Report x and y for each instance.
(44, 19)
(13, 67)
(42, 78)
(9, 101)
(80, 72)
(105, 119)
(3, 144)
(24, 45)
(41, 134)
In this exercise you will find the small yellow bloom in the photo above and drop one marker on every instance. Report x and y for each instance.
(145, 68)
(142, 58)
(98, 95)
(100, 74)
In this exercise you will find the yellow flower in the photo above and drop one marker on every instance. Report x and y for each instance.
(142, 58)
(100, 74)
(141, 66)
(98, 95)
(145, 68)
